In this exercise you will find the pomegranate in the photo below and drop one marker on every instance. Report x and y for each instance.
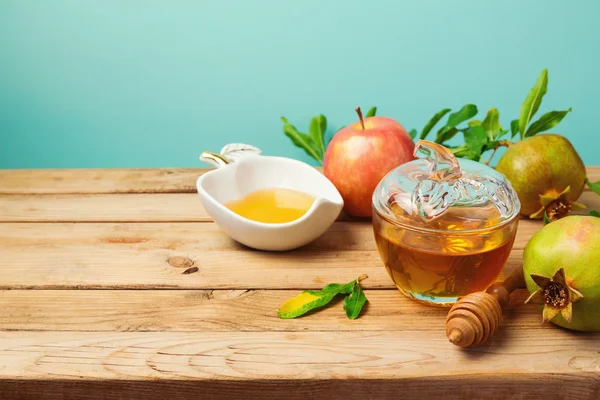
(547, 174)
(561, 265)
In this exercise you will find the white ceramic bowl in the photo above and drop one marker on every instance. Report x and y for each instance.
(243, 175)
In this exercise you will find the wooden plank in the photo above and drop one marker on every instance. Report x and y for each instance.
(550, 363)
(102, 208)
(144, 207)
(110, 268)
(225, 310)
(129, 207)
(67, 181)
(593, 173)
(480, 386)
(78, 181)
(185, 236)
(145, 256)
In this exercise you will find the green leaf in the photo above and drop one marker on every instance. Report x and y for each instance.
(491, 124)
(595, 187)
(337, 288)
(532, 101)
(454, 119)
(317, 128)
(311, 299)
(514, 128)
(460, 151)
(474, 122)
(433, 121)
(475, 138)
(489, 145)
(303, 303)
(446, 135)
(594, 213)
(301, 140)
(468, 111)
(546, 219)
(502, 133)
(546, 121)
(413, 133)
(354, 302)
(371, 112)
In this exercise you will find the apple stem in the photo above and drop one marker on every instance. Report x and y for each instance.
(359, 112)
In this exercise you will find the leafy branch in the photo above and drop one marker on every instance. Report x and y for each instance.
(482, 136)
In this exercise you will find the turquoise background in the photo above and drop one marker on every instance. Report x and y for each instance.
(131, 83)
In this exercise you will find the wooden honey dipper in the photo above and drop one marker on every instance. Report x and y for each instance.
(475, 317)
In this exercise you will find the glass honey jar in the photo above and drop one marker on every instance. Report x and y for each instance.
(444, 227)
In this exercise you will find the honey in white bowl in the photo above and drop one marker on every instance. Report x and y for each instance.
(272, 205)
(294, 202)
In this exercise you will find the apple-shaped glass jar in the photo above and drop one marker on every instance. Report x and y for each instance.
(444, 228)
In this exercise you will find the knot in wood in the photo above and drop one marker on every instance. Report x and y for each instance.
(180, 262)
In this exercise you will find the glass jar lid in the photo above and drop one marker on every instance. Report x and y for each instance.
(437, 191)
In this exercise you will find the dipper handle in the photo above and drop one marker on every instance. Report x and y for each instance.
(475, 317)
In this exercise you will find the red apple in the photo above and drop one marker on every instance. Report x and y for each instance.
(361, 154)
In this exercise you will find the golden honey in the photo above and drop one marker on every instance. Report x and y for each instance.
(273, 205)
(444, 228)
(437, 266)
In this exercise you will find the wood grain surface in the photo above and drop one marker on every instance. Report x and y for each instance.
(550, 386)
(420, 364)
(81, 181)
(142, 255)
(133, 207)
(116, 284)
(222, 310)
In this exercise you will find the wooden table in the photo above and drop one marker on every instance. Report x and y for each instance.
(116, 284)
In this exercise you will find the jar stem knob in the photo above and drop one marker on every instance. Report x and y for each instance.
(442, 162)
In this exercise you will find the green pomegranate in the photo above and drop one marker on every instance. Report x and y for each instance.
(561, 265)
(547, 174)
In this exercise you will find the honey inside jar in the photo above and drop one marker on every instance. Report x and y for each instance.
(444, 228)
(273, 205)
(440, 265)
